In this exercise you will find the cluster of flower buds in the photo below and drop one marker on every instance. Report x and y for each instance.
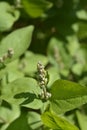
(42, 75)
(43, 81)
(45, 96)
(7, 55)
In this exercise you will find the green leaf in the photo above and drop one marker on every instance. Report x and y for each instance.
(82, 32)
(18, 40)
(77, 69)
(35, 8)
(20, 123)
(24, 92)
(82, 14)
(53, 72)
(83, 81)
(8, 16)
(82, 120)
(55, 122)
(73, 45)
(34, 120)
(11, 71)
(7, 116)
(57, 54)
(30, 60)
(67, 95)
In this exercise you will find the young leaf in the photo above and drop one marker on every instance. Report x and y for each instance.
(24, 92)
(55, 122)
(67, 95)
(18, 41)
(36, 8)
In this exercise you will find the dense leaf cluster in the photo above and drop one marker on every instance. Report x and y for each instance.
(43, 65)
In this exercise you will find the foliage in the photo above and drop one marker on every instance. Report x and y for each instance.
(43, 65)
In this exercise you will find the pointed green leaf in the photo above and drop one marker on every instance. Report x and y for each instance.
(67, 95)
(55, 122)
(36, 8)
(18, 40)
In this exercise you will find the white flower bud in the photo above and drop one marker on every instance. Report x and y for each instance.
(10, 52)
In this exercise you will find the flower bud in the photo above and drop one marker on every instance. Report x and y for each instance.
(10, 52)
